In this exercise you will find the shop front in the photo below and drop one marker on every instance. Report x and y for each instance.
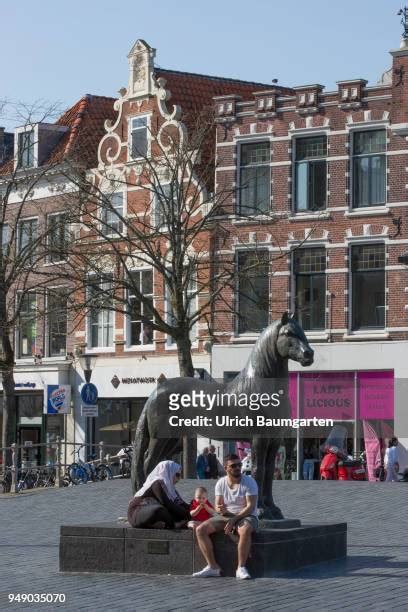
(360, 401)
(361, 386)
(33, 426)
(123, 387)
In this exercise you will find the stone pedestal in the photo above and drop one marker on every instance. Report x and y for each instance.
(109, 547)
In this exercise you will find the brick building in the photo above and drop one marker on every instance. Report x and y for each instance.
(318, 193)
(34, 226)
(322, 189)
(130, 355)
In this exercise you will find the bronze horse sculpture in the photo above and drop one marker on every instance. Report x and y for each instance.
(284, 339)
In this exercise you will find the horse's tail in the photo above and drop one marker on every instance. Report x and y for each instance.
(139, 449)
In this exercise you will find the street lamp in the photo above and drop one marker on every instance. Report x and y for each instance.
(87, 363)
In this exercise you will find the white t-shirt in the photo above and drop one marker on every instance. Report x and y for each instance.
(235, 498)
(392, 457)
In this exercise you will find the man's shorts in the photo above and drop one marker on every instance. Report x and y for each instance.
(218, 522)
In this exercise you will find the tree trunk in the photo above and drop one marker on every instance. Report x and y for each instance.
(9, 394)
(189, 444)
(9, 415)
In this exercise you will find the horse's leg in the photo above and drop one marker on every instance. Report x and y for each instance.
(158, 451)
(258, 458)
(272, 510)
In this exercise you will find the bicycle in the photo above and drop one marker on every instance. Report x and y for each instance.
(46, 476)
(103, 472)
(7, 479)
(27, 479)
(81, 471)
(77, 469)
(125, 461)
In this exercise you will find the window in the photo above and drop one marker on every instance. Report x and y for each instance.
(253, 291)
(27, 325)
(369, 168)
(255, 179)
(27, 236)
(101, 313)
(310, 291)
(191, 309)
(140, 331)
(138, 137)
(26, 149)
(57, 322)
(112, 214)
(58, 237)
(310, 173)
(368, 286)
(162, 199)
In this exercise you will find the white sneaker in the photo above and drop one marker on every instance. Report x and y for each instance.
(242, 574)
(208, 572)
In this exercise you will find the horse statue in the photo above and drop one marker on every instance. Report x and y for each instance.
(282, 340)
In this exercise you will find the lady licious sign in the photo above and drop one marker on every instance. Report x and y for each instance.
(328, 394)
(57, 399)
(343, 396)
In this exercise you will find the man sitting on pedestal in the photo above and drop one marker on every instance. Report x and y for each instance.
(236, 497)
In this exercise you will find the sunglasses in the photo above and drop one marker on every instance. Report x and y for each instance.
(234, 465)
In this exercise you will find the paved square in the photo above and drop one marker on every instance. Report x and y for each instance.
(374, 577)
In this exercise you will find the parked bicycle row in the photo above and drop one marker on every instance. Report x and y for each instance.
(79, 471)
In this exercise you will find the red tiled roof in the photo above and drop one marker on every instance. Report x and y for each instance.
(86, 127)
(85, 121)
(86, 118)
(193, 91)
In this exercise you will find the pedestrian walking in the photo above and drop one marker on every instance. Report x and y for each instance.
(202, 466)
(391, 457)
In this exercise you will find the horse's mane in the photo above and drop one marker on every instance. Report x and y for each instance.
(264, 362)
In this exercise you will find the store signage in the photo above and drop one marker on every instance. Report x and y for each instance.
(327, 395)
(133, 380)
(333, 395)
(57, 399)
(89, 411)
(376, 395)
(27, 385)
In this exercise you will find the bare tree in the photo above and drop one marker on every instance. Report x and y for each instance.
(174, 225)
(27, 241)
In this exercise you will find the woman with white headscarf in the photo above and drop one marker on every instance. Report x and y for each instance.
(157, 505)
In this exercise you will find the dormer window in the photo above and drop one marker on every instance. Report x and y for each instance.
(138, 137)
(26, 149)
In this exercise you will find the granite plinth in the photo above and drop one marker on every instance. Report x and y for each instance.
(109, 547)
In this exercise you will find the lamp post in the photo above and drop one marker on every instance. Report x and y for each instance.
(87, 363)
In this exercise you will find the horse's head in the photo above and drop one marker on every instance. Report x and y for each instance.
(292, 343)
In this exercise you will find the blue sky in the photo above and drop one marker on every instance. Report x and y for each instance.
(58, 51)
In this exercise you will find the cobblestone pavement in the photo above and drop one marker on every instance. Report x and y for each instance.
(374, 577)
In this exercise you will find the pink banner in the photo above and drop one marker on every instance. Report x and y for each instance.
(372, 449)
(327, 395)
(376, 395)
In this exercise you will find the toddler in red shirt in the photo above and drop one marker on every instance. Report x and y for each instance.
(200, 508)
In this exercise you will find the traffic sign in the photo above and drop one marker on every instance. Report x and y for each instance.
(89, 411)
(89, 394)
